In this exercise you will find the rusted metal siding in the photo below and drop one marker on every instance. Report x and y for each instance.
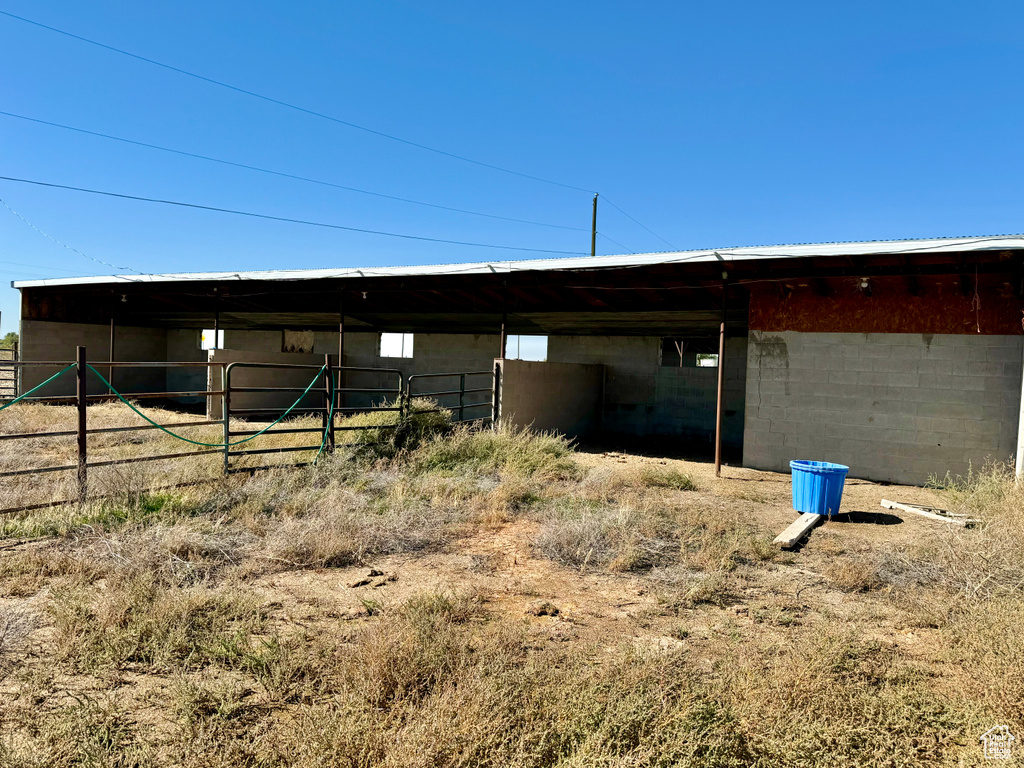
(943, 304)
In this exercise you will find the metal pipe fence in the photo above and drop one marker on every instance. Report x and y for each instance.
(322, 397)
(460, 392)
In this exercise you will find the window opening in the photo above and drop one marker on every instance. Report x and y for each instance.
(533, 348)
(207, 340)
(396, 345)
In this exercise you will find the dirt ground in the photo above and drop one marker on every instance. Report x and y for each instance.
(500, 566)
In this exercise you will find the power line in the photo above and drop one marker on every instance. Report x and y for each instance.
(270, 217)
(324, 116)
(40, 266)
(284, 174)
(65, 245)
(289, 105)
(613, 205)
(615, 242)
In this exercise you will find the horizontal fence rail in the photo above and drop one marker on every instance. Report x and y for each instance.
(328, 393)
(461, 392)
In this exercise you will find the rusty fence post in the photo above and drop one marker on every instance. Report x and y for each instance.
(496, 396)
(81, 403)
(225, 381)
(721, 378)
(328, 404)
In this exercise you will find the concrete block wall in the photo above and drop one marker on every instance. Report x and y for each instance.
(895, 407)
(560, 397)
(182, 347)
(642, 397)
(44, 340)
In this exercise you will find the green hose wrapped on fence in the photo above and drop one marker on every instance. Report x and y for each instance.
(213, 445)
(327, 429)
(40, 386)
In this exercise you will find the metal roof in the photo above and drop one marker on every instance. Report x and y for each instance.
(798, 251)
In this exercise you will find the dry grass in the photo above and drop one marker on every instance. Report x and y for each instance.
(642, 519)
(148, 629)
(427, 684)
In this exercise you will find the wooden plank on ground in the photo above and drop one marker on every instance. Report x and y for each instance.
(797, 530)
(930, 513)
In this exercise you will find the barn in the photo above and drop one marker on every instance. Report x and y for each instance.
(902, 359)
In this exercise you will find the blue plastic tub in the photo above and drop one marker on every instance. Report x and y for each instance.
(818, 486)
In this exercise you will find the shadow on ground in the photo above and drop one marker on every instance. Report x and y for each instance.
(870, 518)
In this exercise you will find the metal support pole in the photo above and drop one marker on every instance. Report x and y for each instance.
(593, 230)
(110, 357)
(504, 322)
(341, 353)
(81, 402)
(216, 320)
(1019, 458)
(226, 406)
(721, 380)
(328, 399)
(496, 396)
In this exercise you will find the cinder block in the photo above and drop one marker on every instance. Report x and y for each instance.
(1006, 353)
(939, 381)
(876, 350)
(1012, 371)
(843, 377)
(938, 351)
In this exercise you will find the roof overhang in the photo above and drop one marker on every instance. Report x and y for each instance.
(723, 255)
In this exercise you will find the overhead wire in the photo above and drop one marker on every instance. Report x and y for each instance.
(324, 116)
(286, 175)
(289, 105)
(615, 242)
(40, 266)
(613, 205)
(65, 245)
(270, 217)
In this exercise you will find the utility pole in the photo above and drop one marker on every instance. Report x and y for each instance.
(593, 230)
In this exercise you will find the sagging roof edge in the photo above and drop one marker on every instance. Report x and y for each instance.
(753, 253)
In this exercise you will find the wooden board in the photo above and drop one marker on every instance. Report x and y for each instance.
(797, 530)
(930, 513)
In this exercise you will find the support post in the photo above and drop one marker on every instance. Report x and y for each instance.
(721, 379)
(496, 396)
(81, 403)
(226, 413)
(110, 357)
(328, 400)
(593, 230)
(216, 319)
(504, 322)
(341, 352)
(1019, 458)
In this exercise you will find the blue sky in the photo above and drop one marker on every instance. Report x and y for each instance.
(714, 124)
